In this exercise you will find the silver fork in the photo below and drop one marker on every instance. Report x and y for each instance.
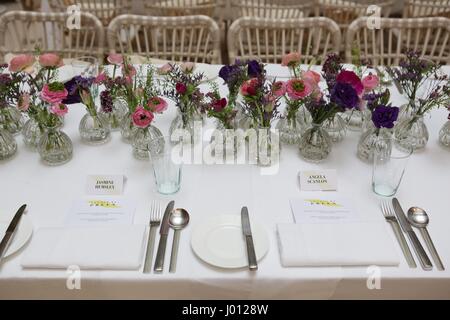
(390, 217)
(155, 221)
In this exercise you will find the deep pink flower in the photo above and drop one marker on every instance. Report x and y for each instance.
(219, 104)
(142, 118)
(311, 75)
(248, 88)
(279, 88)
(291, 59)
(115, 58)
(22, 62)
(370, 82)
(50, 60)
(59, 109)
(24, 102)
(128, 70)
(298, 89)
(157, 104)
(181, 88)
(100, 78)
(352, 79)
(54, 93)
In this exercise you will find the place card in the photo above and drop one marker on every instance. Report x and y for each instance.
(98, 210)
(318, 180)
(105, 184)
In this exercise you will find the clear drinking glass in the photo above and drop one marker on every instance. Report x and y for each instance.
(166, 160)
(388, 168)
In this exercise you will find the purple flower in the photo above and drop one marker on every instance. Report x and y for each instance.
(344, 96)
(384, 116)
(73, 93)
(226, 72)
(106, 101)
(254, 69)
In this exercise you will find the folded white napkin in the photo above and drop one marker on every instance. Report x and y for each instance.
(337, 244)
(108, 248)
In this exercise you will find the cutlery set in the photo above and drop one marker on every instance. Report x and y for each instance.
(418, 218)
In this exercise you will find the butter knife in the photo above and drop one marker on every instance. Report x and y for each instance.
(406, 226)
(10, 231)
(247, 231)
(164, 232)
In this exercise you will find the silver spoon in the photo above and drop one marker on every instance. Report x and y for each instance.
(179, 218)
(419, 219)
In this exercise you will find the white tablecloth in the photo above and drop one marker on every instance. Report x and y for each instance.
(211, 190)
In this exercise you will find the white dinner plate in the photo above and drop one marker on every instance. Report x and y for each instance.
(219, 241)
(20, 237)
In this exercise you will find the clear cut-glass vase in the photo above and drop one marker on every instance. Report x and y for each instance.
(315, 144)
(226, 143)
(336, 128)
(407, 110)
(32, 133)
(117, 114)
(304, 118)
(374, 139)
(11, 119)
(141, 140)
(444, 135)
(354, 119)
(94, 129)
(55, 147)
(268, 147)
(187, 126)
(8, 145)
(411, 133)
(127, 128)
(290, 130)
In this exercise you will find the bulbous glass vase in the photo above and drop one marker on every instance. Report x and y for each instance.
(373, 139)
(141, 140)
(11, 119)
(55, 147)
(8, 145)
(444, 135)
(315, 144)
(411, 133)
(32, 133)
(290, 130)
(336, 128)
(94, 129)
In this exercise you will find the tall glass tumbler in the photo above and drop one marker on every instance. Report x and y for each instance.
(167, 164)
(388, 168)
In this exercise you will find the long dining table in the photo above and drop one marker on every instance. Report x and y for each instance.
(209, 190)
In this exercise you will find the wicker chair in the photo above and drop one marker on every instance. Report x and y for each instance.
(182, 7)
(23, 32)
(270, 39)
(280, 9)
(30, 5)
(188, 38)
(105, 10)
(426, 8)
(386, 46)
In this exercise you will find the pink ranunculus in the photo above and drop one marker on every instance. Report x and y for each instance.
(100, 78)
(248, 88)
(187, 67)
(180, 88)
(370, 82)
(157, 105)
(298, 89)
(311, 75)
(291, 59)
(142, 118)
(128, 70)
(115, 58)
(279, 88)
(54, 93)
(352, 79)
(22, 62)
(59, 109)
(165, 69)
(50, 60)
(24, 102)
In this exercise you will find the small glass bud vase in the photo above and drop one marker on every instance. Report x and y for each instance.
(94, 128)
(411, 133)
(8, 145)
(11, 119)
(32, 133)
(268, 153)
(55, 147)
(315, 144)
(117, 114)
(290, 130)
(127, 128)
(444, 135)
(354, 119)
(374, 139)
(304, 118)
(407, 110)
(336, 128)
(141, 140)
(187, 124)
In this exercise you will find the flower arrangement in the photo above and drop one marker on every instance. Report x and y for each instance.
(220, 109)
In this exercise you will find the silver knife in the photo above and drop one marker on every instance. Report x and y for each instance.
(164, 232)
(10, 231)
(246, 229)
(406, 226)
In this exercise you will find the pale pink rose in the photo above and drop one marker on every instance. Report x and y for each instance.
(142, 118)
(50, 60)
(370, 82)
(311, 75)
(165, 69)
(298, 89)
(279, 88)
(24, 102)
(59, 109)
(187, 67)
(22, 62)
(157, 105)
(53, 96)
(115, 58)
(291, 59)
